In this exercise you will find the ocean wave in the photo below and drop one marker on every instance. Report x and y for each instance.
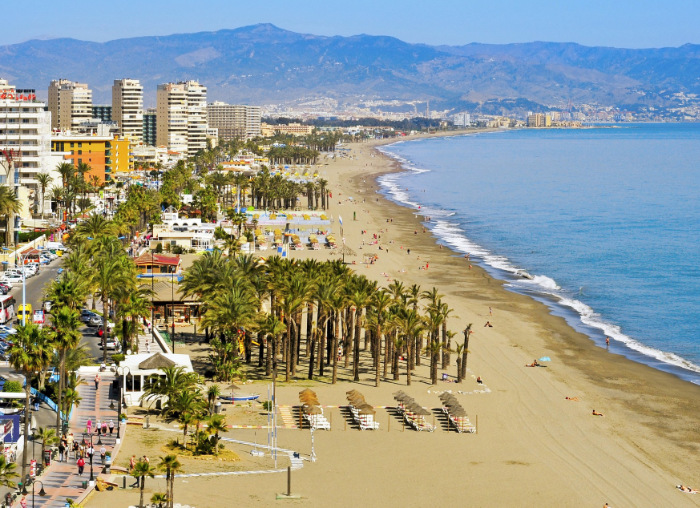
(453, 235)
(591, 318)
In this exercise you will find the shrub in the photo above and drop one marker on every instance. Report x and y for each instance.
(12, 387)
(119, 357)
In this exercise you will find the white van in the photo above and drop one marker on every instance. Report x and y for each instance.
(55, 246)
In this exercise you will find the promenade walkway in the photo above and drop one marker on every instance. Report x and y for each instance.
(61, 480)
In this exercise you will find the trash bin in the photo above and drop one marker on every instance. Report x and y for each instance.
(217, 408)
(85, 484)
(47, 458)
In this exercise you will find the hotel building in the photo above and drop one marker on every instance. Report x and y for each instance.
(127, 108)
(70, 104)
(234, 121)
(181, 117)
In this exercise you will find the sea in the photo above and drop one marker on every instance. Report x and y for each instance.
(602, 224)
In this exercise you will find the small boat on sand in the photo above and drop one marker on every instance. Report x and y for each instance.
(240, 397)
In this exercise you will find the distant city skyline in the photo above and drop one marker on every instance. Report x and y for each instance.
(622, 23)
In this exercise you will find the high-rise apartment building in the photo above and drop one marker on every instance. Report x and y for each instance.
(181, 110)
(127, 108)
(25, 136)
(70, 104)
(234, 121)
(149, 127)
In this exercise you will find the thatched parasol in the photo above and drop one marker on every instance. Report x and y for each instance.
(311, 409)
(458, 412)
(366, 409)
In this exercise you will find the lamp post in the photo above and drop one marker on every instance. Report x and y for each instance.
(92, 447)
(121, 373)
(42, 492)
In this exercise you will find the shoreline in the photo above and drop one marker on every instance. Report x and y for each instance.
(533, 446)
(625, 345)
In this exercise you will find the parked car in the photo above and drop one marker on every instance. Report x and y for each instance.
(112, 344)
(86, 315)
(4, 288)
(11, 279)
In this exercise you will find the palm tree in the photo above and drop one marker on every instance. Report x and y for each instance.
(66, 322)
(381, 301)
(44, 179)
(142, 469)
(48, 437)
(361, 291)
(159, 499)
(410, 325)
(9, 206)
(171, 466)
(215, 425)
(465, 351)
(7, 473)
(113, 269)
(29, 355)
(174, 380)
(213, 393)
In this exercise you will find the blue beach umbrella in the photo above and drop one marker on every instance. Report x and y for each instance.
(545, 359)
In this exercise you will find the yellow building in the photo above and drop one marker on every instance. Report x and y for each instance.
(104, 154)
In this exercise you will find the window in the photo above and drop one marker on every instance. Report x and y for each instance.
(72, 144)
(80, 152)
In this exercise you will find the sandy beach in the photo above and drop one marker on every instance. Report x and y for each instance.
(533, 446)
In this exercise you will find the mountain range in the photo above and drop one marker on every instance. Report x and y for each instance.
(263, 64)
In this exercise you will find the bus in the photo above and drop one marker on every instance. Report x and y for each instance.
(7, 308)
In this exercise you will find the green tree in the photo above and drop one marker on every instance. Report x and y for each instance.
(43, 179)
(29, 354)
(66, 322)
(9, 206)
(141, 470)
(171, 466)
(7, 473)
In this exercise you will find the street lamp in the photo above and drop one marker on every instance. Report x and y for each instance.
(92, 447)
(121, 374)
(42, 492)
(172, 304)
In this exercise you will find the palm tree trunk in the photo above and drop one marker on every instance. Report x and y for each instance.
(356, 346)
(334, 352)
(105, 321)
(377, 354)
(27, 393)
(409, 360)
(268, 354)
(61, 381)
(312, 351)
(143, 484)
(288, 350)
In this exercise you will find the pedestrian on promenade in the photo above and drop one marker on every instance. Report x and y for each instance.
(104, 428)
(88, 426)
(97, 381)
(81, 466)
(111, 427)
(103, 453)
(23, 502)
(61, 450)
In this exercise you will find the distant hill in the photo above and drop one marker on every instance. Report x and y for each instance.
(263, 64)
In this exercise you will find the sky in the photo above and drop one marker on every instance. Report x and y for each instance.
(616, 23)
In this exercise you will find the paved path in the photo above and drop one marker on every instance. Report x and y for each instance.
(61, 479)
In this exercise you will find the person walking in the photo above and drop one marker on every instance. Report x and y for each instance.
(61, 450)
(88, 426)
(111, 427)
(97, 381)
(103, 453)
(81, 466)
(104, 428)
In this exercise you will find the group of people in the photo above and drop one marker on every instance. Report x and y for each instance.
(102, 427)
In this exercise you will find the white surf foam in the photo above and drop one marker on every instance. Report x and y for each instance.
(453, 235)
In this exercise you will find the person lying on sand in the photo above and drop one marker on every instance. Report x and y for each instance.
(488, 323)
(687, 490)
(596, 413)
(533, 364)
(575, 399)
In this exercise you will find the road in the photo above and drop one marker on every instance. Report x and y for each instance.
(34, 294)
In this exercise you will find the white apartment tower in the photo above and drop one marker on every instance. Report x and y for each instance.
(234, 121)
(127, 108)
(25, 135)
(70, 104)
(181, 117)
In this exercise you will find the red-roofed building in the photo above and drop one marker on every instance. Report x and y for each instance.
(150, 262)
